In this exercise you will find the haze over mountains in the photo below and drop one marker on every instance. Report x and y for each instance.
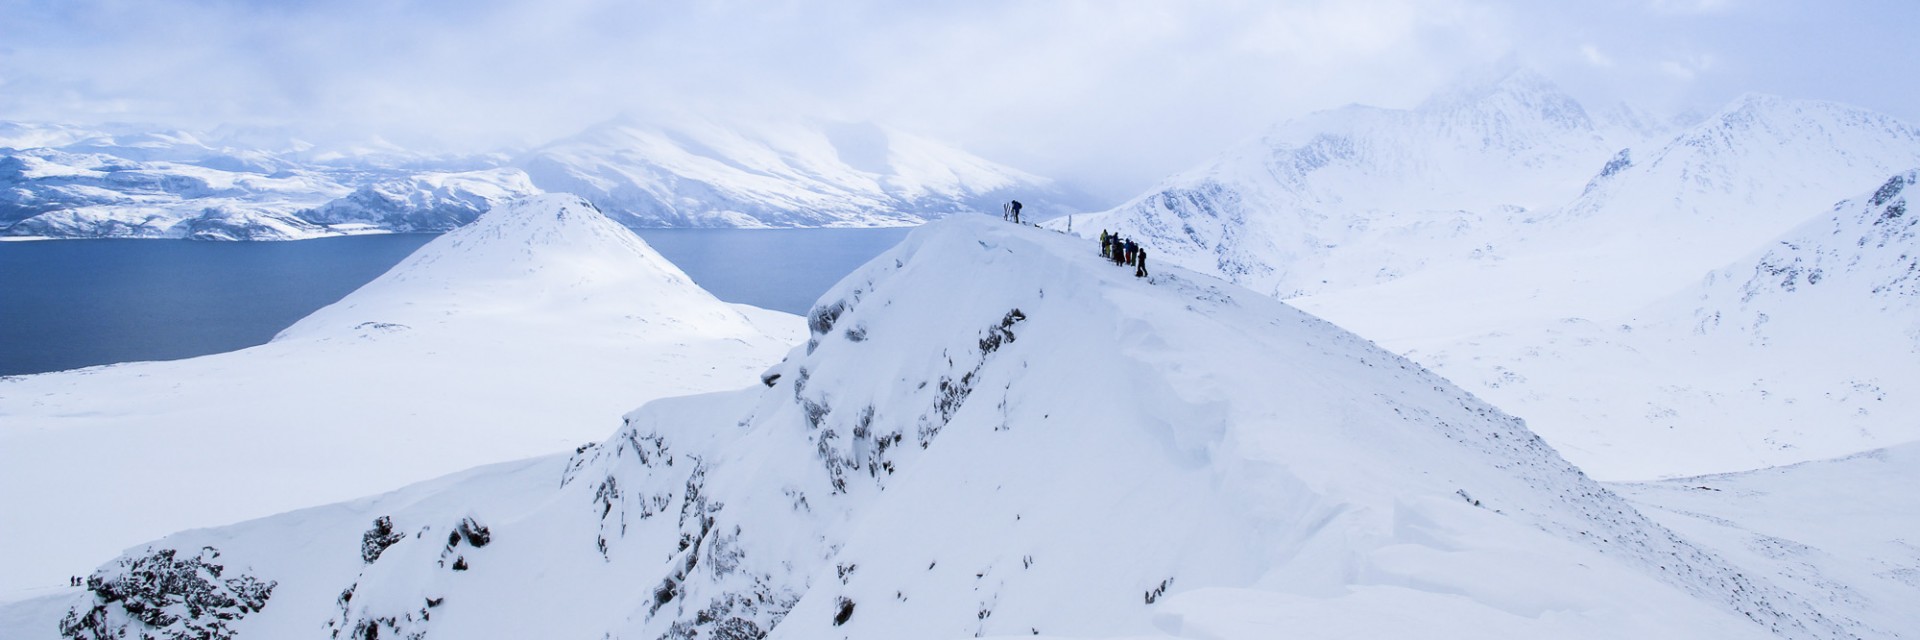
(1500, 231)
(679, 171)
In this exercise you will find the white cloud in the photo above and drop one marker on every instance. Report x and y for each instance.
(1111, 93)
(1595, 57)
(1687, 68)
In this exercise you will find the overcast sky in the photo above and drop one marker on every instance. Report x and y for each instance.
(1111, 95)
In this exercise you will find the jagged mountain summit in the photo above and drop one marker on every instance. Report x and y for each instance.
(505, 338)
(1361, 195)
(707, 171)
(989, 432)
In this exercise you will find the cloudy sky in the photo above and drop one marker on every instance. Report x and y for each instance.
(1111, 95)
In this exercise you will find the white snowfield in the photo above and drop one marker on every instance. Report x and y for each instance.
(993, 432)
(1840, 531)
(1550, 260)
(515, 336)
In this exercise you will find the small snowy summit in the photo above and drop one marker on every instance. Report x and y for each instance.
(989, 432)
(554, 254)
(510, 337)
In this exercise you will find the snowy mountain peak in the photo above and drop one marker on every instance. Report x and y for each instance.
(1773, 118)
(993, 431)
(1314, 205)
(1866, 255)
(1517, 88)
(538, 252)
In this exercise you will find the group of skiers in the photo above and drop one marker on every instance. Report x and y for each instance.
(1010, 212)
(1123, 252)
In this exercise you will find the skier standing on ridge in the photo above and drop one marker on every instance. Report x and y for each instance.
(1140, 271)
(1016, 212)
(1103, 243)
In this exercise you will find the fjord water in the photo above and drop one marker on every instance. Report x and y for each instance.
(66, 304)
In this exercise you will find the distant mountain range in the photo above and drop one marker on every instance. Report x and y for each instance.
(69, 181)
(1501, 231)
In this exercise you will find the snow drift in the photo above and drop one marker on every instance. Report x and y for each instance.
(990, 431)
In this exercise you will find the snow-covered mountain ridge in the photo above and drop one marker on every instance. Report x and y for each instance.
(63, 181)
(710, 172)
(510, 337)
(992, 432)
(1362, 195)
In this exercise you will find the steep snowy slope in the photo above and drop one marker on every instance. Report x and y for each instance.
(991, 432)
(1807, 349)
(702, 171)
(511, 337)
(1842, 527)
(1362, 195)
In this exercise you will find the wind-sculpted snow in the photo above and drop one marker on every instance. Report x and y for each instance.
(993, 432)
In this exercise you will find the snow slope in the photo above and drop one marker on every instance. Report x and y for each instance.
(515, 336)
(1806, 349)
(1843, 528)
(710, 171)
(990, 432)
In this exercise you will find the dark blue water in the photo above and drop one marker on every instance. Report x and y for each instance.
(780, 269)
(73, 303)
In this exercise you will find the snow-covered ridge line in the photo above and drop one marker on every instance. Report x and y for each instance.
(991, 431)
